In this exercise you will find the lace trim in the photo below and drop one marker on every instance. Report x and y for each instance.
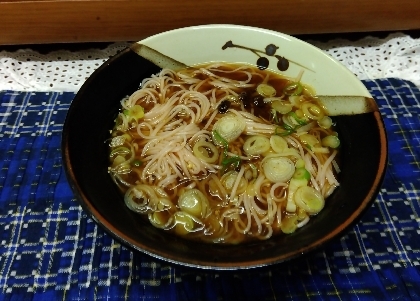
(397, 55)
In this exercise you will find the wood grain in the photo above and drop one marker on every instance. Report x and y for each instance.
(62, 21)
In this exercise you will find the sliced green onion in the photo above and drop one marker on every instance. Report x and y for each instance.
(294, 184)
(274, 118)
(309, 199)
(289, 223)
(137, 163)
(184, 223)
(226, 161)
(266, 90)
(159, 219)
(312, 111)
(295, 100)
(309, 140)
(278, 168)
(141, 198)
(228, 181)
(136, 112)
(206, 151)
(251, 171)
(118, 140)
(325, 122)
(289, 129)
(230, 161)
(278, 144)
(300, 163)
(293, 88)
(256, 145)
(298, 120)
(331, 141)
(194, 202)
(281, 107)
(120, 151)
(118, 160)
(229, 127)
(284, 132)
(219, 140)
(302, 173)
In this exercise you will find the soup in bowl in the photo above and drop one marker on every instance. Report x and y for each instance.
(224, 147)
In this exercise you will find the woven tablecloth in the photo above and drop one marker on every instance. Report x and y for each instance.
(51, 250)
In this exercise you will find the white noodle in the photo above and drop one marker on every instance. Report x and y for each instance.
(180, 109)
(237, 181)
(303, 222)
(273, 189)
(322, 172)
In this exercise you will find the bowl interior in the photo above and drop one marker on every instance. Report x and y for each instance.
(91, 116)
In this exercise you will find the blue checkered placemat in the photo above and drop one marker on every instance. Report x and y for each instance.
(51, 250)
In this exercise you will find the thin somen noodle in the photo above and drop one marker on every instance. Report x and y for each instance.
(224, 153)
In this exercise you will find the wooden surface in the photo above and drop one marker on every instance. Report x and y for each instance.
(35, 22)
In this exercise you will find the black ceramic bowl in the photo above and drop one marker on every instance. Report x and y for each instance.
(92, 113)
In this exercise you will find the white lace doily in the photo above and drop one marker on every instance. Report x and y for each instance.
(398, 55)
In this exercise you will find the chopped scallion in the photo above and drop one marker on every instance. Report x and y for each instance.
(227, 161)
(294, 88)
(302, 173)
(298, 120)
(137, 163)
